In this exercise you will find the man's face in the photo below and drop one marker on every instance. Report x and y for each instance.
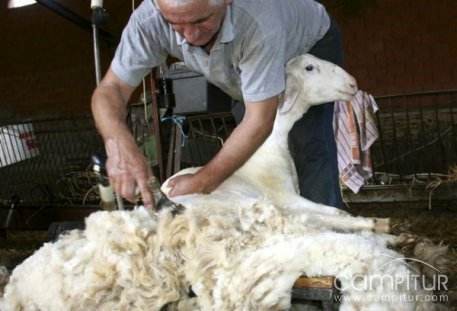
(197, 21)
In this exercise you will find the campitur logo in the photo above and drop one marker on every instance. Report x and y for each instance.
(399, 287)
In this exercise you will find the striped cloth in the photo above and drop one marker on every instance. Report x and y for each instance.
(355, 131)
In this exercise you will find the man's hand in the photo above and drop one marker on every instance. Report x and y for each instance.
(128, 170)
(186, 184)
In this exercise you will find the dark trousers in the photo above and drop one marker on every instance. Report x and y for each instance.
(312, 141)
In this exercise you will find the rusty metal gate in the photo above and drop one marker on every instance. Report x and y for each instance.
(48, 161)
(415, 155)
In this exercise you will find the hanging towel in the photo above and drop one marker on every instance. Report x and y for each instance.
(355, 131)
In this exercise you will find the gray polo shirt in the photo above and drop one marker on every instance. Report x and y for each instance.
(247, 60)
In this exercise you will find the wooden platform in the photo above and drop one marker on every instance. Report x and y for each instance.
(320, 289)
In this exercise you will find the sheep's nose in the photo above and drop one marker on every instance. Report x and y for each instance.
(353, 85)
(352, 82)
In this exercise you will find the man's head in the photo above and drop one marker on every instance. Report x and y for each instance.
(177, 3)
(196, 20)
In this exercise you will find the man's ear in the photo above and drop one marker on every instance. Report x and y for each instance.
(290, 94)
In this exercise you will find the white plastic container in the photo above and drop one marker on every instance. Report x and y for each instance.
(17, 143)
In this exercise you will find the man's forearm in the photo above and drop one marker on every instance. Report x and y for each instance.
(127, 167)
(109, 106)
(109, 112)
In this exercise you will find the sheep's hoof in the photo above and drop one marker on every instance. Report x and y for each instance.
(382, 225)
(402, 240)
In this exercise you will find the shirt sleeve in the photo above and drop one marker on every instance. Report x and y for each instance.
(139, 49)
(262, 65)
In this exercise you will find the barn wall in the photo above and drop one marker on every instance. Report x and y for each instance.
(391, 46)
(399, 46)
(46, 62)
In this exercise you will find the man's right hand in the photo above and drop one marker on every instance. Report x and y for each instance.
(128, 170)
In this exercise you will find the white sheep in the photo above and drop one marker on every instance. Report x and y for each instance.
(239, 248)
(243, 256)
(270, 171)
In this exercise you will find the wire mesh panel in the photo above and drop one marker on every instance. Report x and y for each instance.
(206, 135)
(418, 136)
(48, 161)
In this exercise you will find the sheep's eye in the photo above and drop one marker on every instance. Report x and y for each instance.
(309, 67)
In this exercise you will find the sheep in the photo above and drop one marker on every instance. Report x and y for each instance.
(238, 248)
(243, 256)
(270, 171)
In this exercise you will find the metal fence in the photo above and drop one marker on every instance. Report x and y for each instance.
(417, 141)
(206, 135)
(418, 137)
(48, 161)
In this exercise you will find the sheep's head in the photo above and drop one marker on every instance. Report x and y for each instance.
(313, 81)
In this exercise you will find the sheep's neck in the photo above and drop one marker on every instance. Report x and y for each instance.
(281, 128)
(284, 122)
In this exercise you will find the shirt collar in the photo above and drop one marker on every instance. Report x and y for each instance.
(226, 33)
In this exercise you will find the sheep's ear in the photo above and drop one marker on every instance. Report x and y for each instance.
(290, 94)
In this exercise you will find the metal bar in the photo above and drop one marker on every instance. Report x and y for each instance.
(395, 152)
(453, 146)
(205, 143)
(423, 136)
(156, 125)
(98, 70)
(401, 193)
(213, 126)
(409, 142)
(177, 151)
(224, 126)
(171, 151)
(440, 140)
(74, 18)
(383, 147)
(433, 92)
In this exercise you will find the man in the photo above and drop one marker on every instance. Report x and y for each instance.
(241, 46)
